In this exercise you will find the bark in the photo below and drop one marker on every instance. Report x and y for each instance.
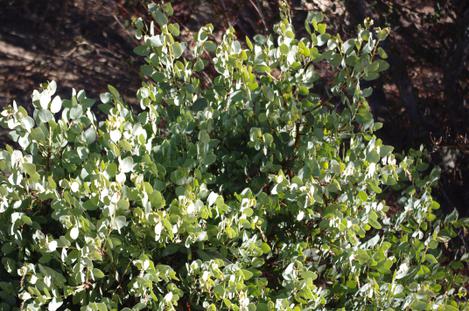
(456, 62)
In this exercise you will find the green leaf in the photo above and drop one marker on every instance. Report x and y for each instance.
(142, 50)
(247, 274)
(178, 49)
(113, 91)
(90, 135)
(98, 274)
(174, 29)
(126, 165)
(28, 123)
(29, 168)
(373, 156)
(321, 28)
(402, 272)
(157, 200)
(159, 17)
(199, 65)
(105, 97)
(180, 176)
(45, 116)
(74, 233)
(373, 220)
(168, 9)
(385, 150)
(56, 104)
(370, 76)
(76, 112)
(210, 46)
(362, 196)
(120, 222)
(362, 256)
(37, 134)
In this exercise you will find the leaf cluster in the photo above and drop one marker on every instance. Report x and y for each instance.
(251, 178)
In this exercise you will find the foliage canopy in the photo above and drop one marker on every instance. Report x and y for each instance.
(246, 181)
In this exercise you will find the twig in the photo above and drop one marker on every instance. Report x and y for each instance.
(260, 14)
(122, 26)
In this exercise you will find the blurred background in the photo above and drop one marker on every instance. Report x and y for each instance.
(421, 99)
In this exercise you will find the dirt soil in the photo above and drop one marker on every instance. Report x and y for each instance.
(423, 98)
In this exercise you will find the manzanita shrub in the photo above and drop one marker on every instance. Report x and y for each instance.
(246, 180)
